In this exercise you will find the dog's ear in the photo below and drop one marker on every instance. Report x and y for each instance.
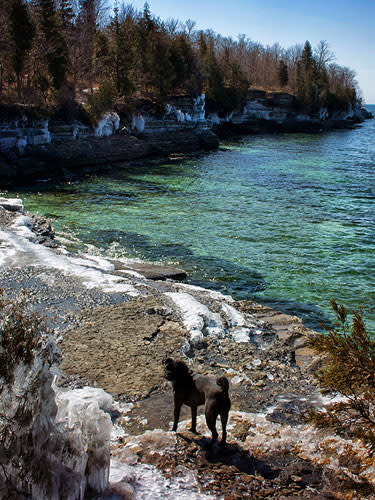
(168, 362)
(182, 368)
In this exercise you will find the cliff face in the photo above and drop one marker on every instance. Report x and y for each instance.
(29, 149)
(279, 112)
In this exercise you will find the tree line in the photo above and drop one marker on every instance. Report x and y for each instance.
(58, 51)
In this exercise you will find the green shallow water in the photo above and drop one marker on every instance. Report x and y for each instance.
(286, 219)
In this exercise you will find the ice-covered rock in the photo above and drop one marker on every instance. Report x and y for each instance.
(52, 446)
(108, 124)
(199, 107)
(12, 204)
(18, 247)
(323, 114)
(214, 118)
(197, 318)
(138, 123)
(87, 428)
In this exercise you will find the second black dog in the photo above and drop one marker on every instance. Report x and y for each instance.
(194, 390)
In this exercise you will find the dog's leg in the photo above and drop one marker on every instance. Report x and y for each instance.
(224, 420)
(193, 427)
(177, 408)
(211, 417)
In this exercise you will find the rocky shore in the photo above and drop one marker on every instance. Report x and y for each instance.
(39, 150)
(116, 322)
(72, 159)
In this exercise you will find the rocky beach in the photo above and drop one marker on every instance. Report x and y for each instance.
(115, 322)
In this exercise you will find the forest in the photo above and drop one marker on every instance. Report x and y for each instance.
(59, 52)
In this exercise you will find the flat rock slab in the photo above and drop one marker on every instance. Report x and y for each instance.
(121, 348)
(153, 271)
(12, 204)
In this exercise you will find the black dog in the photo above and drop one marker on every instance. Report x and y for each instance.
(195, 390)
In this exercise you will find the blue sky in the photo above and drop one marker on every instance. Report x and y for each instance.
(347, 25)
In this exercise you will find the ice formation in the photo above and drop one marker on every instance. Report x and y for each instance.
(18, 247)
(52, 446)
(138, 123)
(132, 479)
(200, 106)
(197, 318)
(108, 124)
(239, 330)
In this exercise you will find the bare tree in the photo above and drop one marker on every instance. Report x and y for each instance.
(323, 55)
(171, 26)
(189, 26)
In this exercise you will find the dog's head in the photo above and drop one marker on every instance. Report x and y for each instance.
(175, 370)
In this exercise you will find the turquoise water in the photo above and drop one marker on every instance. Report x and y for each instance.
(287, 219)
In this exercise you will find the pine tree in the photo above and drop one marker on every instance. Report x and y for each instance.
(282, 74)
(349, 369)
(306, 57)
(122, 54)
(22, 32)
(87, 27)
(55, 43)
(307, 88)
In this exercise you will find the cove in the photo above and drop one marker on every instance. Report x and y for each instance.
(285, 219)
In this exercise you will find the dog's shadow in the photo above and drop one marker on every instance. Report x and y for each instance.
(230, 454)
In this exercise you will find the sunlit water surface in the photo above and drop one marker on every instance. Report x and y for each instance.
(287, 219)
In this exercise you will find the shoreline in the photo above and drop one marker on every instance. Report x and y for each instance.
(115, 327)
(40, 151)
(73, 159)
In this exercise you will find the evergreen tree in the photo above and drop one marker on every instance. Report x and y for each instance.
(55, 44)
(307, 75)
(349, 369)
(282, 74)
(147, 34)
(122, 54)
(87, 29)
(22, 32)
(182, 59)
(307, 57)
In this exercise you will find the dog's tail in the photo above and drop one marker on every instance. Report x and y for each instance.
(223, 383)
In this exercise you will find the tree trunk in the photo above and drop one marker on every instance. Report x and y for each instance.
(19, 85)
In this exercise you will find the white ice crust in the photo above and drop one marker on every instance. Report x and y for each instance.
(18, 248)
(197, 318)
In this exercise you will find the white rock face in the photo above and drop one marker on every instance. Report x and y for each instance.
(108, 124)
